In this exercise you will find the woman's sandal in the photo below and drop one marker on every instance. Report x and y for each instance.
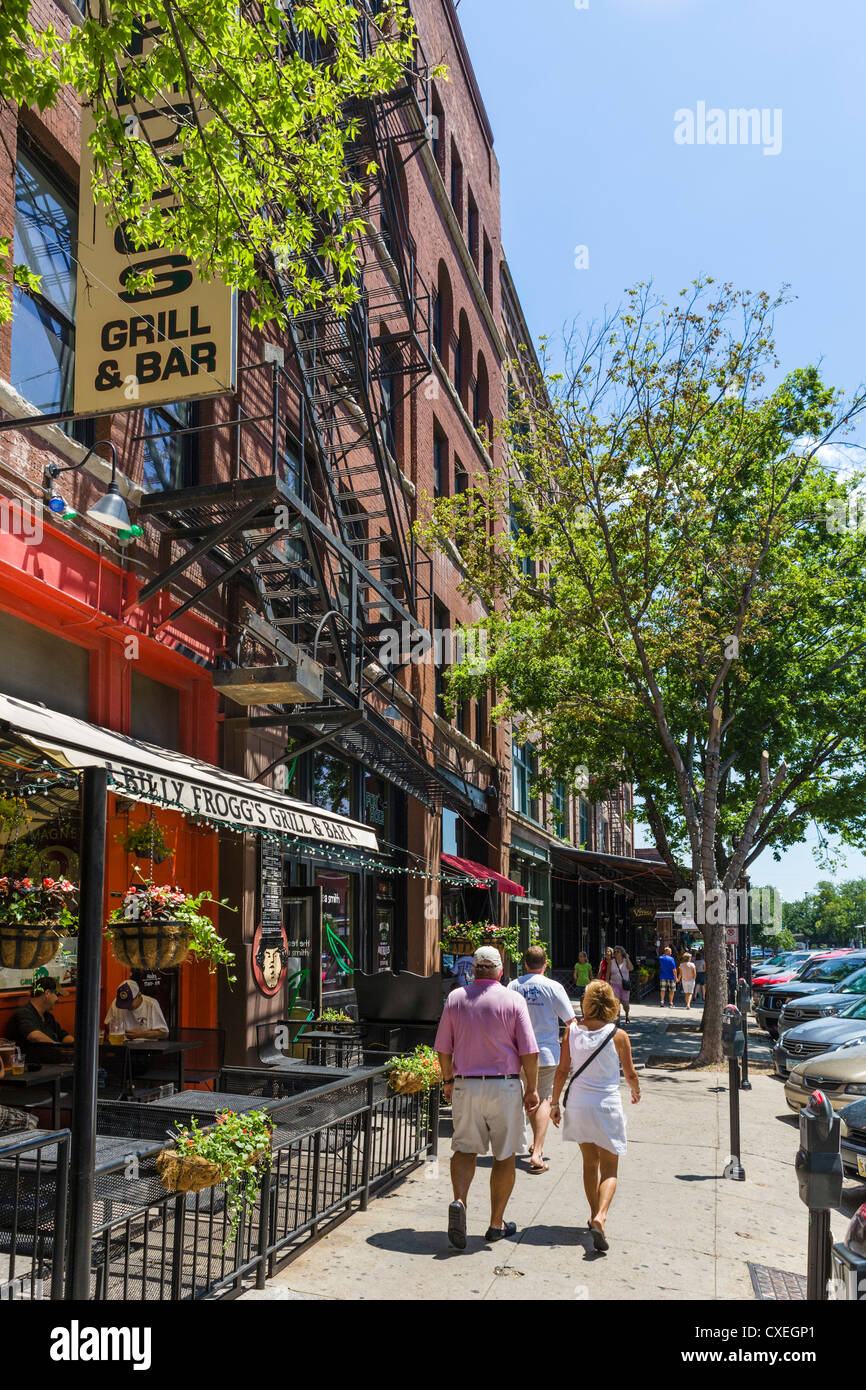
(599, 1239)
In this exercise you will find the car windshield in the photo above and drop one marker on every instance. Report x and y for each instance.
(857, 1009)
(856, 985)
(775, 961)
(830, 972)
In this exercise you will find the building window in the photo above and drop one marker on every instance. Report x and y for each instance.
(43, 324)
(602, 837)
(440, 462)
(450, 824)
(332, 783)
(458, 367)
(442, 622)
(583, 818)
(523, 770)
(461, 477)
(480, 723)
(437, 324)
(559, 811)
(437, 132)
(170, 456)
(488, 270)
(456, 183)
(472, 228)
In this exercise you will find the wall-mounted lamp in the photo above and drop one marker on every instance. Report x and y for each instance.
(109, 510)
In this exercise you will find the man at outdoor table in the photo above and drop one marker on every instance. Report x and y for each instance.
(34, 1023)
(135, 1014)
(485, 1038)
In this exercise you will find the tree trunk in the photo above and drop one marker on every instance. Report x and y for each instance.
(716, 994)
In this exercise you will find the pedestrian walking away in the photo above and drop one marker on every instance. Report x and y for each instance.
(484, 1040)
(667, 976)
(591, 1111)
(700, 977)
(620, 978)
(582, 974)
(548, 1005)
(687, 976)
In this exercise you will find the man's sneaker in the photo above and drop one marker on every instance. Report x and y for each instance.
(457, 1225)
(494, 1232)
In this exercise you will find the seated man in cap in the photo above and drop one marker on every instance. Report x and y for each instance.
(34, 1026)
(485, 1039)
(135, 1014)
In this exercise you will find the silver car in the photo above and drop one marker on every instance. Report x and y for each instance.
(821, 1034)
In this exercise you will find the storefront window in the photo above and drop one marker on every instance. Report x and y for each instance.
(377, 806)
(339, 910)
(332, 783)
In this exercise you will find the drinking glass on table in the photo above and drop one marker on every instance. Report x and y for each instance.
(17, 1064)
(116, 1039)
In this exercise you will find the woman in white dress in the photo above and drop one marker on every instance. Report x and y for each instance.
(593, 1114)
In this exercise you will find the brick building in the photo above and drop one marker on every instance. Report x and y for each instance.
(248, 624)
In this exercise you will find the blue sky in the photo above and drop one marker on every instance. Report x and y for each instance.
(582, 96)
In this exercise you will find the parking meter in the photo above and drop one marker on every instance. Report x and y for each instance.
(849, 1261)
(733, 1033)
(819, 1162)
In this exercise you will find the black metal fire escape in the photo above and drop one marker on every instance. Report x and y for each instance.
(309, 541)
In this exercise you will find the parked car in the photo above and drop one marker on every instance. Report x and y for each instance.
(826, 1030)
(853, 1119)
(824, 1004)
(835, 968)
(780, 974)
(841, 1075)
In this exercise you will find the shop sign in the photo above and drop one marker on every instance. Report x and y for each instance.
(270, 958)
(139, 347)
(235, 808)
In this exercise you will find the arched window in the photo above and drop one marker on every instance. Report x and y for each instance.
(481, 394)
(443, 315)
(463, 361)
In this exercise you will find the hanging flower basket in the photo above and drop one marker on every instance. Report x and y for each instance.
(150, 945)
(178, 1173)
(332, 1022)
(406, 1085)
(24, 948)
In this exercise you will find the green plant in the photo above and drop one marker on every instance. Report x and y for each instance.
(240, 1146)
(26, 902)
(334, 1016)
(156, 903)
(421, 1065)
(145, 841)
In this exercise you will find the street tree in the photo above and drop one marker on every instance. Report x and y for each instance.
(261, 176)
(670, 598)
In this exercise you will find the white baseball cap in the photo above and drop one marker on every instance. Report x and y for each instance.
(488, 955)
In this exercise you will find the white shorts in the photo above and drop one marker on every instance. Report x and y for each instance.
(688, 986)
(488, 1114)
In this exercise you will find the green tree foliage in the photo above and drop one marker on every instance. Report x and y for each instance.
(829, 915)
(667, 603)
(262, 181)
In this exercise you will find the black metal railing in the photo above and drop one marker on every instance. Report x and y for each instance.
(34, 1182)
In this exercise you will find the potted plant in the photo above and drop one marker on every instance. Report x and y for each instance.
(236, 1150)
(414, 1071)
(459, 938)
(35, 914)
(157, 927)
(335, 1021)
(145, 841)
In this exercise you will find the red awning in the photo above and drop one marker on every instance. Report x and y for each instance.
(481, 875)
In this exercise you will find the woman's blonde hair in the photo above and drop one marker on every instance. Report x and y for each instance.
(600, 1002)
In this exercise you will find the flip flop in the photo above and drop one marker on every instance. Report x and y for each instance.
(599, 1239)
(539, 1167)
(457, 1225)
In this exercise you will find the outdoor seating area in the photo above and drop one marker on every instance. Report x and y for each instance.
(337, 1136)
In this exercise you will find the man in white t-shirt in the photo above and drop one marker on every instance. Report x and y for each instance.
(135, 1014)
(548, 1006)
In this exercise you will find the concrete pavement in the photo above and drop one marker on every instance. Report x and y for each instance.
(677, 1228)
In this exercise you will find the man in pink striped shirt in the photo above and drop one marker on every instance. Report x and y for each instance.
(485, 1036)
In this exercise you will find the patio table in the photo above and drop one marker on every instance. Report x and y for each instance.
(51, 1074)
(159, 1047)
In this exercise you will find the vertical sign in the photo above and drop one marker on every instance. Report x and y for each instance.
(172, 342)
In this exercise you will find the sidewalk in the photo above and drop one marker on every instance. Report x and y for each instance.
(677, 1228)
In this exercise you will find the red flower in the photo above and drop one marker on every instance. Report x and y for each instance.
(48, 883)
